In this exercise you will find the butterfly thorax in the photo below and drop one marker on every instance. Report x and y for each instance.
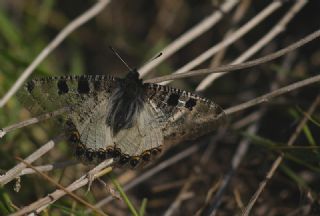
(126, 102)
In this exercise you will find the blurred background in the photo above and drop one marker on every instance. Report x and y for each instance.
(138, 30)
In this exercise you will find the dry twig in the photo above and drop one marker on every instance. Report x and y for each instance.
(15, 171)
(74, 196)
(190, 35)
(276, 30)
(272, 7)
(245, 65)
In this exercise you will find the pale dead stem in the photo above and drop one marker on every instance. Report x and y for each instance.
(31, 121)
(279, 159)
(42, 203)
(48, 167)
(240, 66)
(276, 30)
(74, 196)
(16, 171)
(76, 23)
(190, 35)
(267, 97)
(272, 7)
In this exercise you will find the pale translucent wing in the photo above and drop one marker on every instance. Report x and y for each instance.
(94, 132)
(146, 134)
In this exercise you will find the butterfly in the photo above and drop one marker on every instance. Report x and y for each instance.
(122, 118)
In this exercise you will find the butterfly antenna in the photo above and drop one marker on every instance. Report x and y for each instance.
(119, 57)
(152, 59)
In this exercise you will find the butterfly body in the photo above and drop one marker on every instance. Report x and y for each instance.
(124, 119)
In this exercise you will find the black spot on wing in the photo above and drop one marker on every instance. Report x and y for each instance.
(191, 103)
(83, 86)
(62, 87)
(97, 85)
(30, 86)
(173, 99)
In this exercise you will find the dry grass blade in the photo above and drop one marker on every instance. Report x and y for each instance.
(279, 159)
(245, 65)
(74, 196)
(276, 30)
(267, 97)
(271, 8)
(31, 121)
(190, 35)
(96, 172)
(15, 171)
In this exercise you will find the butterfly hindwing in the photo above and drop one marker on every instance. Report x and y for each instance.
(146, 134)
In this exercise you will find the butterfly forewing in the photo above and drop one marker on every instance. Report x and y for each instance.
(50, 94)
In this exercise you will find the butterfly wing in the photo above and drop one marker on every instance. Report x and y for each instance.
(187, 115)
(87, 98)
(168, 116)
(52, 93)
(146, 134)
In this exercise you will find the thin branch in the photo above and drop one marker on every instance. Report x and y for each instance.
(272, 7)
(245, 65)
(279, 159)
(273, 94)
(277, 29)
(49, 167)
(15, 171)
(74, 196)
(83, 18)
(42, 203)
(31, 121)
(190, 35)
